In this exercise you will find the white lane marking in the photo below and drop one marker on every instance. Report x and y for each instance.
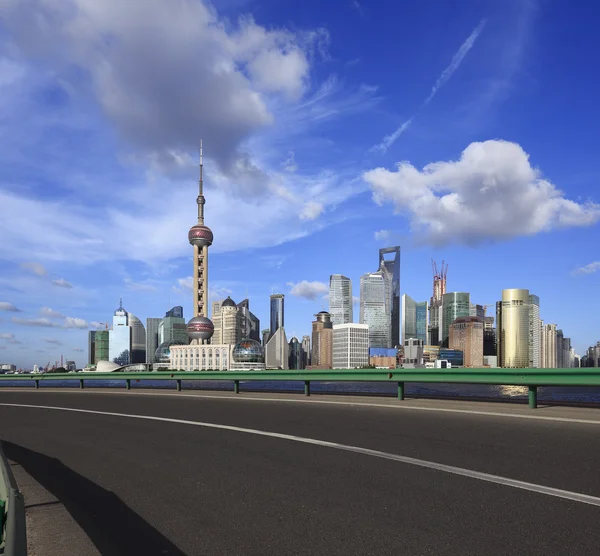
(541, 489)
(329, 402)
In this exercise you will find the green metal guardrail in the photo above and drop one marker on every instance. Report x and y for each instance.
(13, 540)
(532, 378)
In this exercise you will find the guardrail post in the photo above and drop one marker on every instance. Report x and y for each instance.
(2, 511)
(178, 385)
(81, 383)
(128, 384)
(401, 390)
(236, 386)
(307, 387)
(37, 383)
(532, 397)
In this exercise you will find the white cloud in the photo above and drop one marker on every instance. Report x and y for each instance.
(590, 268)
(36, 268)
(62, 283)
(6, 336)
(355, 300)
(51, 313)
(311, 210)
(216, 293)
(205, 73)
(492, 192)
(96, 324)
(80, 350)
(68, 322)
(308, 290)
(184, 284)
(382, 235)
(6, 306)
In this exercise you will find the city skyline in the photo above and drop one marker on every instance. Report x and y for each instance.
(303, 174)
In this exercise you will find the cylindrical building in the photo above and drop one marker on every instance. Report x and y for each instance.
(513, 329)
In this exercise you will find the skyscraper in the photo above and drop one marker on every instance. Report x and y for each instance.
(200, 329)
(138, 339)
(251, 323)
(92, 347)
(415, 319)
(228, 323)
(176, 311)
(340, 299)
(512, 324)
(435, 304)
(350, 346)
(466, 335)
(454, 305)
(152, 342)
(305, 351)
(277, 312)
(101, 346)
(373, 309)
(534, 331)
(391, 274)
(119, 344)
(322, 341)
(295, 354)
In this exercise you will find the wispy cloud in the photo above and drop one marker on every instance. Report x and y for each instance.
(6, 336)
(53, 341)
(356, 5)
(51, 313)
(139, 286)
(62, 283)
(590, 268)
(382, 235)
(68, 322)
(445, 76)
(456, 61)
(6, 306)
(80, 350)
(36, 268)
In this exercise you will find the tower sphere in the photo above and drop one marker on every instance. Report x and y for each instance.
(200, 328)
(200, 236)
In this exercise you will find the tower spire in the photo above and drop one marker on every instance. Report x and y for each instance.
(200, 199)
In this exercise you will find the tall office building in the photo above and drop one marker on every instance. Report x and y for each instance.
(172, 329)
(373, 309)
(350, 346)
(277, 312)
(176, 311)
(340, 299)
(391, 274)
(476, 310)
(295, 354)
(489, 337)
(512, 325)
(250, 322)
(92, 347)
(534, 332)
(560, 357)
(466, 335)
(305, 351)
(415, 319)
(138, 339)
(228, 323)
(549, 345)
(101, 352)
(322, 341)
(152, 342)
(277, 350)
(119, 343)
(454, 305)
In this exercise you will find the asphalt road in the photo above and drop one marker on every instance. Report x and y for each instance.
(163, 488)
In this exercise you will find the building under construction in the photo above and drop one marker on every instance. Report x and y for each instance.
(435, 305)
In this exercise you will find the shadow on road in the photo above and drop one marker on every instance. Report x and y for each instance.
(112, 526)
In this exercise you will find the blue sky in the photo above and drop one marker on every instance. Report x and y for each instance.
(463, 131)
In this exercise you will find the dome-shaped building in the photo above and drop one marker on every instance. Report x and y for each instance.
(162, 355)
(228, 303)
(248, 355)
(200, 328)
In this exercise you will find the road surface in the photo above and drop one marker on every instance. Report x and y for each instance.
(243, 475)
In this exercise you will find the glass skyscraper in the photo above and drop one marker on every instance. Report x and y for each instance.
(512, 325)
(454, 305)
(373, 309)
(391, 274)
(138, 339)
(152, 343)
(251, 323)
(277, 313)
(101, 346)
(119, 343)
(340, 299)
(415, 317)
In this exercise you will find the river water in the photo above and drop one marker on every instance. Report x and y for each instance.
(589, 395)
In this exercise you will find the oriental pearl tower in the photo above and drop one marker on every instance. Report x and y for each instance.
(200, 328)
